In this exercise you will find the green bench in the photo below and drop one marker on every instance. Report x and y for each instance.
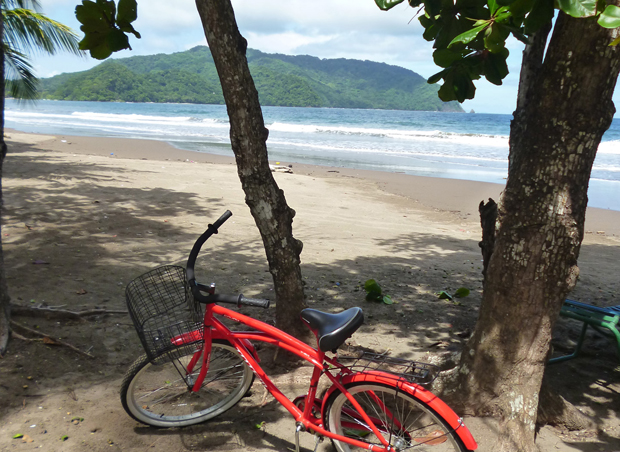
(604, 320)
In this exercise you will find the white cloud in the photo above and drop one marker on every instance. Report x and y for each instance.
(168, 19)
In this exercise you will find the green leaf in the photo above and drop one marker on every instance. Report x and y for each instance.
(108, 7)
(469, 35)
(495, 38)
(495, 67)
(387, 4)
(64, 438)
(372, 286)
(259, 425)
(436, 77)
(374, 296)
(443, 295)
(101, 52)
(464, 87)
(610, 17)
(461, 292)
(520, 8)
(445, 57)
(615, 42)
(541, 14)
(128, 28)
(578, 8)
(387, 299)
(127, 11)
(117, 40)
(91, 17)
(17, 436)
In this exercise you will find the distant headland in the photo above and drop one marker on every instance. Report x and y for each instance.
(281, 80)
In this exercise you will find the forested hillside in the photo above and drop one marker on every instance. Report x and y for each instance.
(281, 80)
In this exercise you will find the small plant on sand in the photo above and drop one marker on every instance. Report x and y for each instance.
(460, 293)
(374, 293)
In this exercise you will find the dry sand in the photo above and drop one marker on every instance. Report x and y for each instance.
(101, 211)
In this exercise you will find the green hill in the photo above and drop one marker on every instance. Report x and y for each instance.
(281, 80)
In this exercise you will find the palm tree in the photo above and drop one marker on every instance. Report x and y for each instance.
(27, 31)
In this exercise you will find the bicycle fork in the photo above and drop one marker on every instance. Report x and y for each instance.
(205, 352)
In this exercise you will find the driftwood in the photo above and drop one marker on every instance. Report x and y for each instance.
(45, 338)
(488, 217)
(55, 313)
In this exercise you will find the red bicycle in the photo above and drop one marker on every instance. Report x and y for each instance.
(196, 368)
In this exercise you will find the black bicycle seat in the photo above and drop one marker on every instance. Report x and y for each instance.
(333, 329)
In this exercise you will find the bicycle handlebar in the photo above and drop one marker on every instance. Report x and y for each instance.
(197, 287)
(238, 300)
(191, 260)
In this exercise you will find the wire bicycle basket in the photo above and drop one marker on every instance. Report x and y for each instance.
(162, 308)
(411, 371)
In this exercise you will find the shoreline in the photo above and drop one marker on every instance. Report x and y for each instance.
(455, 196)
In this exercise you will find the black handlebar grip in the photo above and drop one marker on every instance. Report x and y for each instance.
(220, 221)
(230, 299)
(254, 302)
(221, 298)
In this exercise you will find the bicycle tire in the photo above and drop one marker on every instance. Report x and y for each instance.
(420, 427)
(159, 395)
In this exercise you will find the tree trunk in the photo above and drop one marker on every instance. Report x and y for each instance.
(248, 137)
(488, 218)
(564, 107)
(4, 292)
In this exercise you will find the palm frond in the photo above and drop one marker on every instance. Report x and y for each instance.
(27, 31)
(27, 4)
(19, 79)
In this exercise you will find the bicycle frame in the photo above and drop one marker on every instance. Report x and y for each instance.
(323, 365)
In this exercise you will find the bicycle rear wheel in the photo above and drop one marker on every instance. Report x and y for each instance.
(160, 395)
(405, 422)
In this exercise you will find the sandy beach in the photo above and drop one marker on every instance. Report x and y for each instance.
(83, 216)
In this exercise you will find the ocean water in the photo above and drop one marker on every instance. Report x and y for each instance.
(448, 145)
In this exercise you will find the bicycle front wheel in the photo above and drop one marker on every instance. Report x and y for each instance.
(160, 395)
(405, 422)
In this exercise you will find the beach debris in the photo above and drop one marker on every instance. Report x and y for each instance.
(375, 293)
(461, 292)
(46, 339)
(81, 292)
(280, 169)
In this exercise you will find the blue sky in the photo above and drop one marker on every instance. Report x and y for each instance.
(354, 29)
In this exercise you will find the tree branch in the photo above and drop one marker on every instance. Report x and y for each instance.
(48, 312)
(55, 341)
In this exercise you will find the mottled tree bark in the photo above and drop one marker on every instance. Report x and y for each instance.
(248, 137)
(4, 292)
(564, 107)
